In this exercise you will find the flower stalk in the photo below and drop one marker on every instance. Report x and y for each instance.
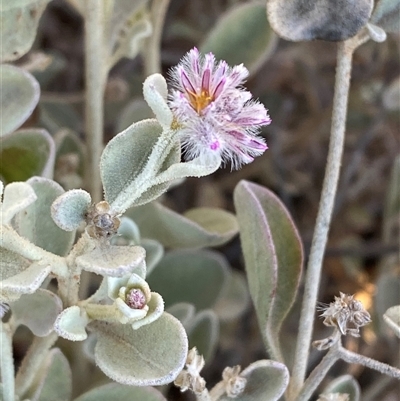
(314, 267)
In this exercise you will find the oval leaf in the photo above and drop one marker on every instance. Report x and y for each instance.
(114, 391)
(37, 311)
(392, 319)
(71, 324)
(203, 333)
(242, 35)
(56, 378)
(345, 384)
(27, 153)
(123, 159)
(195, 277)
(332, 20)
(19, 22)
(273, 257)
(183, 311)
(19, 96)
(266, 380)
(35, 222)
(152, 355)
(133, 112)
(197, 228)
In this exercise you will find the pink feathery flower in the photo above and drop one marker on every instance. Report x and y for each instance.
(216, 116)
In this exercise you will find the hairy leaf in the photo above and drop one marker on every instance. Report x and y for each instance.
(345, 384)
(273, 257)
(151, 355)
(71, 324)
(332, 20)
(392, 319)
(387, 15)
(19, 96)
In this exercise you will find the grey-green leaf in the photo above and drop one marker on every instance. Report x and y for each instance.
(71, 324)
(195, 277)
(125, 156)
(332, 20)
(387, 15)
(19, 22)
(38, 311)
(242, 35)
(151, 355)
(19, 96)
(266, 380)
(392, 319)
(197, 228)
(35, 222)
(56, 380)
(114, 391)
(273, 256)
(345, 384)
(133, 112)
(183, 311)
(26, 153)
(203, 333)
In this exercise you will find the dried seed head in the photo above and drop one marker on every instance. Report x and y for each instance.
(101, 222)
(234, 383)
(189, 378)
(347, 314)
(334, 397)
(135, 298)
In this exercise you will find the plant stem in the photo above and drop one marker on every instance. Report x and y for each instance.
(32, 361)
(353, 357)
(313, 274)
(203, 396)
(152, 59)
(7, 363)
(95, 76)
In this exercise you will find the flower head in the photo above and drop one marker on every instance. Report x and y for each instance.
(135, 303)
(215, 115)
(347, 314)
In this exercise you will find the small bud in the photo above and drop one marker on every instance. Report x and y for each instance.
(101, 223)
(347, 314)
(135, 299)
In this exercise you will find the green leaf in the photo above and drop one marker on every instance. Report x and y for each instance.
(19, 96)
(203, 333)
(266, 380)
(330, 20)
(154, 253)
(56, 116)
(27, 153)
(195, 277)
(71, 324)
(392, 319)
(234, 298)
(151, 355)
(124, 158)
(56, 378)
(35, 222)
(273, 257)
(386, 15)
(114, 391)
(183, 311)
(19, 22)
(242, 35)
(345, 384)
(115, 261)
(197, 228)
(69, 209)
(37, 311)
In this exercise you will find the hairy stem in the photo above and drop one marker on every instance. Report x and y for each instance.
(32, 362)
(313, 274)
(152, 59)
(7, 363)
(95, 82)
(353, 357)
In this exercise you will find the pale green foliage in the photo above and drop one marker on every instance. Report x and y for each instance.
(242, 35)
(71, 324)
(392, 319)
(273, 257)
(18, 97)
(386, 15)
(346, 385)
